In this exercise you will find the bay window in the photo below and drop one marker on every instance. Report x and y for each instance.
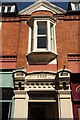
(42, 39)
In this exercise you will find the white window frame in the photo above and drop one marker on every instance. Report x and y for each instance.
(51, 44)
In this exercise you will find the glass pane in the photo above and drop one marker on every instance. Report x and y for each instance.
(9, 9)
(7, 93)
(77, 6)
(3, 8)
(43, 111)
(42, 27)
(36, 111)
(5, 110)
(41, 42)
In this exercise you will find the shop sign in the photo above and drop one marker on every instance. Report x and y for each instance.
(75, 88)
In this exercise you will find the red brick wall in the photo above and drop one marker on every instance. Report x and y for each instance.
(67, 37)
(22, 45)
(42, 13)
(10, 36)
(15, 39)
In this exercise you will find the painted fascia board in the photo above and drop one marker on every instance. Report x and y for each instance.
(30, 8)
(53, 8)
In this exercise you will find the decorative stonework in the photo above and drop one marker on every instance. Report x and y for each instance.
(72, 17)
(39, 85)
(10, 19)
(73, 57)
(16, 19)
(19, 85)
(45, 85)
(40, 81)
(8, 58)
(40, 76)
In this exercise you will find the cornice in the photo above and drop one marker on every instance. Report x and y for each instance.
(8, 58)
(10, 19)
(15, 19)
(27, 17)
(74, 57)
(72, 17)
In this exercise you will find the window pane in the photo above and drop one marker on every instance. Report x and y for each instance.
(6, 110)
(42, 28)
(41, 42)
(7, 93)
(77, 6)
(3, 8)
(9, 9)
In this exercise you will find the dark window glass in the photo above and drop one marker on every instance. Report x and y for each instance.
(3, 8)
(41, 42)
(6, 103)
(38, 110)
(9, 9)
(42, 27)
(6, 110)
(7, 94)
(0, 110)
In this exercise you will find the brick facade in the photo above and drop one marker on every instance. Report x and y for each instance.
(15, 37)
(43, 79)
